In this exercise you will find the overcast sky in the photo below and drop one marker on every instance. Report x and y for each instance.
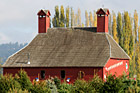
(18, 18)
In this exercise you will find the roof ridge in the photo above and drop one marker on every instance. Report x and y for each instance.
(109, 45)
(119, 46)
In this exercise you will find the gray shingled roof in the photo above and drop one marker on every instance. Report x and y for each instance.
(104, 10)
(63, 47)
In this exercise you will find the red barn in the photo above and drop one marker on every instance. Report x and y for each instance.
(78, 52)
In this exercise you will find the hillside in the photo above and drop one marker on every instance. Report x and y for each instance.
(8, 49)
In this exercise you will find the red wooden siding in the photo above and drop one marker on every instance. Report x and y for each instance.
(116, 66)
(70, 72)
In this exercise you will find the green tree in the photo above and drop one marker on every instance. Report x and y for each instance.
(119, 29)
(76, 20)
(113, 85)
(55, 20)
(128, 41)
(110, 24)
(95, 19)
(138, 54)
(67, 16)
(114, 28)
(127, 31)
(62, 17)
(72, 17)
(135, 25)
(87, 19)
(96, 84)
(79, 17)
(40, 87)
(90, 19)
(65, 88)
(81, 86)
(23, 79)
(8, 82)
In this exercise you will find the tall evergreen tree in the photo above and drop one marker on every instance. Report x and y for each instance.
(67, 17)
(114, 28)
(62, 17)
(87, 19)
(55, 20)
(90, 19)
(95, 19)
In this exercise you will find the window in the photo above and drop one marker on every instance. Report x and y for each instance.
(81, 74)
(62, 74)
(42, 74)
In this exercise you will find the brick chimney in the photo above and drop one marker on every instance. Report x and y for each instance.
(43, 21)
(102, 20)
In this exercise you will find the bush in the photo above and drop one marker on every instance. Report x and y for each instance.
(17, 91)
(113, 85)
(57, 82)
(65, 88)
(8, 82)
(81, 86)
(51, 84)
(23, 79)
(96, 84)
(40, 87)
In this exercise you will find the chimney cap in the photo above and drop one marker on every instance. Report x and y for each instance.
(44, 12)
(103, 11)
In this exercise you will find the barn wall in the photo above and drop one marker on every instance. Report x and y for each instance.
(116, 66)
(71, 72)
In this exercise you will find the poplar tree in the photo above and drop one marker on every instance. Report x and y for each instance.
(79, 17)
(110, 25)
(114, 28)
(135, 25)
(55, 20)
(90, 19)
(136, 43)
(128, 43)
(75, 20)
(138, 51)
(87, 19)
(126, 31)
(62, 17)
(95, 19)
(72, 17)
(119, 29)
(67, 17)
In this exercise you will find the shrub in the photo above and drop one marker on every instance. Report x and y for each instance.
(65, 88)
(40, 87)
(17, 91)
(81, 86)
(113, 85)
(23, 79)
(7, 82)
(51, 84)
(96, 84)
(57, 82)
